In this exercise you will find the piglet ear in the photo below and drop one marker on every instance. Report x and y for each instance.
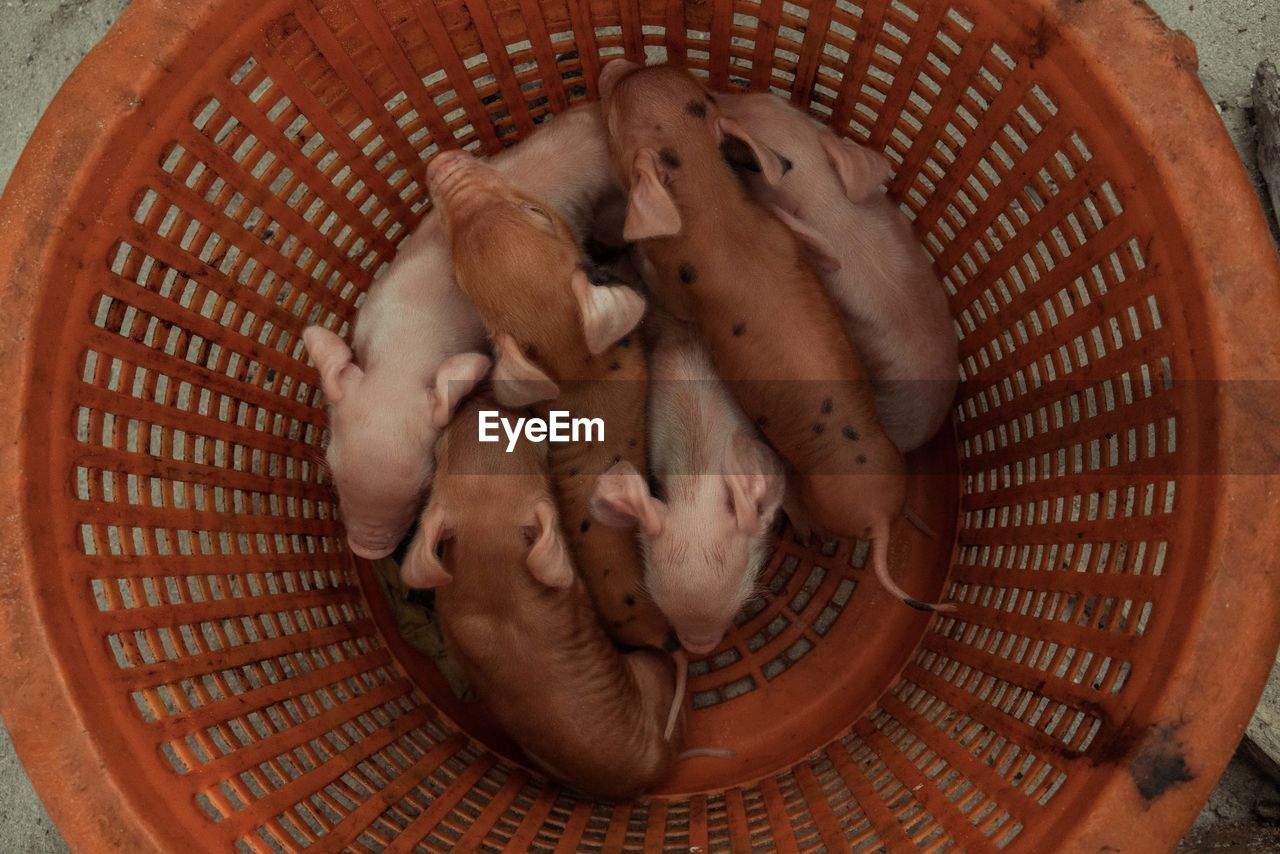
(741, 149)
(608, 311)
(455, 379)
(862, 172)
(651, 212)
(422, 566)
(622, 500)
(548, 559)
(333, 360)
(518, 382)
(820, 249)
(612, 73)
(755, 480)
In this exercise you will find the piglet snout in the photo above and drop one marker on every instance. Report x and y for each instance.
(700, 644)
(369, 552)
(444, 166)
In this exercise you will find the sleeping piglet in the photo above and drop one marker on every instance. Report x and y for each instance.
(417, 341)
(554, 334)
(713, 255)
(868, 257)
(521, 626)
(707, 537)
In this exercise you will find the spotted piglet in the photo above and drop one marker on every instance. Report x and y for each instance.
(714, 256)
(561, 343)
(829, 193)
(521, 626)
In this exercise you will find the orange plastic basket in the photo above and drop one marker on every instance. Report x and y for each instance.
(192, 658)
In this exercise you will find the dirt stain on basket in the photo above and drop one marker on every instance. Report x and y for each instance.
(1160, 763)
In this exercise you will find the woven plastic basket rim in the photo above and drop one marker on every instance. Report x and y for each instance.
(1144, 74)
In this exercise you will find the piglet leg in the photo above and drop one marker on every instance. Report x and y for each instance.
(799, 518)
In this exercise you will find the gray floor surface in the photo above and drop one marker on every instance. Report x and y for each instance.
(44, 39)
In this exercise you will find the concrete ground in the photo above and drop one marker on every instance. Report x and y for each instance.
(44, 39)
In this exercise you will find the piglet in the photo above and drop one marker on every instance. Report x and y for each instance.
(554, 333)
(520, 623)
(417, 340)
(714, 256)
(829, 193)
(706, 539)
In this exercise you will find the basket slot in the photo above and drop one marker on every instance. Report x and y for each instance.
(226, 609)
(215, 230)
(269, 364)
(1028, 678)
(205, 279)
(1011, 798)
(924, 811)
(250, 756)
(396, 197)
(187, 722)
(350, 261)
(990, 716)
(1034, 777)
(356, 84)
(284, 799)
(291, 152)
(878, 792)
(487, 822)
(215, 660)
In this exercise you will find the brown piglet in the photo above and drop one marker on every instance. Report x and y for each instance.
(712, 255)
(561, 343)
(521, 626)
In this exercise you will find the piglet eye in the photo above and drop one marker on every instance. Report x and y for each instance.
(539, 212)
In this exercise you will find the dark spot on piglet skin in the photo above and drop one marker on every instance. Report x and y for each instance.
(585, 526)
(739, 329)
(688, 273)
(615, 366)
(1160, 763)
(850, 434)
(862, 459)
(819, 429)
(669, 158)
(630, 600)
(697, 109)
(827, 405)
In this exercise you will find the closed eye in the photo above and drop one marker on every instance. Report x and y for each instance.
(539, 213)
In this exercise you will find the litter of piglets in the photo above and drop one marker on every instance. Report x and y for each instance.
(718, 285)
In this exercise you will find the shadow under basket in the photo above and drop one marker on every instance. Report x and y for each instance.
(194, 659)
